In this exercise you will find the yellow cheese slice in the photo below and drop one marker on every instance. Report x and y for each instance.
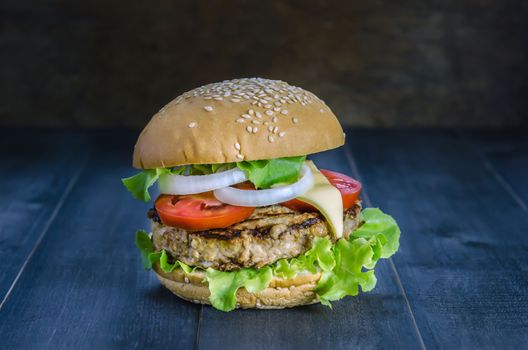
(327, 199)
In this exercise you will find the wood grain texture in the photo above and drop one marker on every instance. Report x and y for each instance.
(462, 264)
(37, 169)
(85, 287)
(506, 155)
(462, 259)
(378, 319)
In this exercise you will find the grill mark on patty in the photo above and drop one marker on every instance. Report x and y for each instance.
(251, 243)
(304, 224)
(227, 234)
(260, 231)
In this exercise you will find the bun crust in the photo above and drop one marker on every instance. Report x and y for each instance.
(234, 120)
(281, 293)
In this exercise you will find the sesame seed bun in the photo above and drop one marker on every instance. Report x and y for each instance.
(234, 120)
(281, 293)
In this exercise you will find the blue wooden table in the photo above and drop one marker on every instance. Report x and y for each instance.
(70, 276)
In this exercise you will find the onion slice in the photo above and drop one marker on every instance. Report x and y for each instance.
(192, 184)
(260, 198)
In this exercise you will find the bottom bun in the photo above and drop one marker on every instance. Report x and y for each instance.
(281, 293)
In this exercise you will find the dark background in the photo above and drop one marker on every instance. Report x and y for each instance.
(376, 63)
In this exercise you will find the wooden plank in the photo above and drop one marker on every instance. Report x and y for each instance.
(379, 319)
(505, 154)
(462, 259)
(85, 287)
(37, 172)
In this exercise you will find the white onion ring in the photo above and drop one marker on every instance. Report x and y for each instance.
(260, 198)
(192, 184)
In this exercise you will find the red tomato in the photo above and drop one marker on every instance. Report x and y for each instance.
(199, 211)
(348, 187)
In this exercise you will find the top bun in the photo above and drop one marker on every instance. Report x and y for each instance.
(235, 120)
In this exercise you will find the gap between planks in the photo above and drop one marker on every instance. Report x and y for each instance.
(198, 326)
(355, 170)
(469, 142)
(52, 217)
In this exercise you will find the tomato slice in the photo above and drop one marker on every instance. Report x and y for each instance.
(348, 187)
(199, 212)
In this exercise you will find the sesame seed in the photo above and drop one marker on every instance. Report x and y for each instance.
(277, 103)
(270, 138)
(235, 100)
(249, 129)
(295, 120)
(270, 128)
(240, 120)
(266, 123)
(239, 156)
(254, 102)
(284, 111)
(208, 108)
(186, 279)
(246, 116)
(258, 115)
(207, 97)
(267, 106)
(219, 98)
(282, 133)
(251, 112)
(255, 129)
(321, 110)
(274, 119)
(275, 129)
(237, 146)
(255, 122)
(269, 112)
(192, 124)
(276, 109)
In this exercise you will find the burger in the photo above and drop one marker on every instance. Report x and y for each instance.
(244, 218)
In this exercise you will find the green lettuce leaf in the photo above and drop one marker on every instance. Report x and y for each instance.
(348, 274)
(140, 183)
(262, 173)
(206, 169)
(224, 285)
(320, 256)
(378, 237)
(168, 267)
(376, 222)
(266, 173)
(148, 254)
(346, 266)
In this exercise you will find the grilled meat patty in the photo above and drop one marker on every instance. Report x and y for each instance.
(269, 234)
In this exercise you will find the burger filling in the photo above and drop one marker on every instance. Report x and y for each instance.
(249, 222)
(269, 234)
